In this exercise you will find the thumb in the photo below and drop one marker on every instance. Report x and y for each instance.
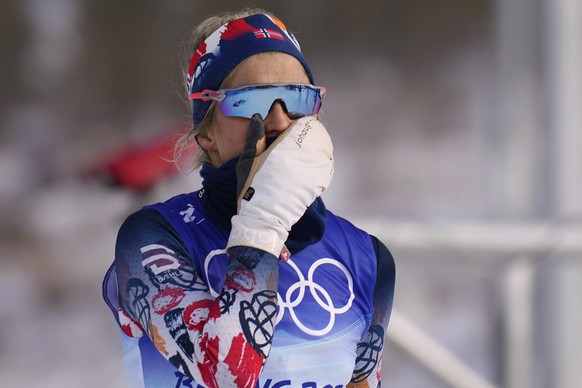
(256, 140)
(255, 144)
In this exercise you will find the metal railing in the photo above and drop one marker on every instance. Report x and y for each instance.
(518, 243)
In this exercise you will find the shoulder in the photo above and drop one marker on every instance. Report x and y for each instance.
(143, 221)
(179, 206)
(386, 264)
(159, 217)
(144, 227)
(385, 261)
(341, 223)
(353, 231)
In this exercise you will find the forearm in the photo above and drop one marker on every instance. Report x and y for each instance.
(225, 341)
(248, 311)
(208, 338)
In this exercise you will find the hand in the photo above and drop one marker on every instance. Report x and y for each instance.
(248, 163)
(276, 186)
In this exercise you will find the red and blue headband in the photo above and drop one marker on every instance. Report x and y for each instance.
(233, 42)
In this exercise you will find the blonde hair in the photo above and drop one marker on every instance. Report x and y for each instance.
(200, 33)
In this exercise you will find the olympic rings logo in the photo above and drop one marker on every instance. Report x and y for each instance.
(315, 290)
(300, 288)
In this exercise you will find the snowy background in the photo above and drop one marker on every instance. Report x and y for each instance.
(425, 127)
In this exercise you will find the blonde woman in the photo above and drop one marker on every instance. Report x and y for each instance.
(250, 281)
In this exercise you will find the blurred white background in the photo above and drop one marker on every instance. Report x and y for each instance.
(457, 127)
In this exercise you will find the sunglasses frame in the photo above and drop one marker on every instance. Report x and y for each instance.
(221, 94)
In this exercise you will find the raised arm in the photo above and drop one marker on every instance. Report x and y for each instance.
(368, 369)
(217, 341)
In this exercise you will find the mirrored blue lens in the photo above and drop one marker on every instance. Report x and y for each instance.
(299, 100)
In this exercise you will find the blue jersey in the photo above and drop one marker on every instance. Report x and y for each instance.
(333, 301)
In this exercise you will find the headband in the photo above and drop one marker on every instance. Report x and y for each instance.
(229, 45)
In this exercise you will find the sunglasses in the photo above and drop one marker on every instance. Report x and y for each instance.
(298, 99)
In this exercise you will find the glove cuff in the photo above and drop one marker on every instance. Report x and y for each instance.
(250, 232)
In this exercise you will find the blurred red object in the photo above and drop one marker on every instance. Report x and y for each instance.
(138, 167)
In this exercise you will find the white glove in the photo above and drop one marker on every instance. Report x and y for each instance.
(276, 186)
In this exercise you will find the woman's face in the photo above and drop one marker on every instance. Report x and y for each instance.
(225, 139)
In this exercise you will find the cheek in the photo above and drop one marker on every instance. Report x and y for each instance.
(231, 146)
(231, 137)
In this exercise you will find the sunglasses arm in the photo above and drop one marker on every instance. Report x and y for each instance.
(207, 95)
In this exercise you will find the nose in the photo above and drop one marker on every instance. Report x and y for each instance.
(277, 120)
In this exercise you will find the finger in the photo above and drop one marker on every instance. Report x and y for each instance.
(256, 140)
(255, 144)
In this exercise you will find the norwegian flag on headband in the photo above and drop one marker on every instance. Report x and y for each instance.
(230, 44)
(264, 33)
